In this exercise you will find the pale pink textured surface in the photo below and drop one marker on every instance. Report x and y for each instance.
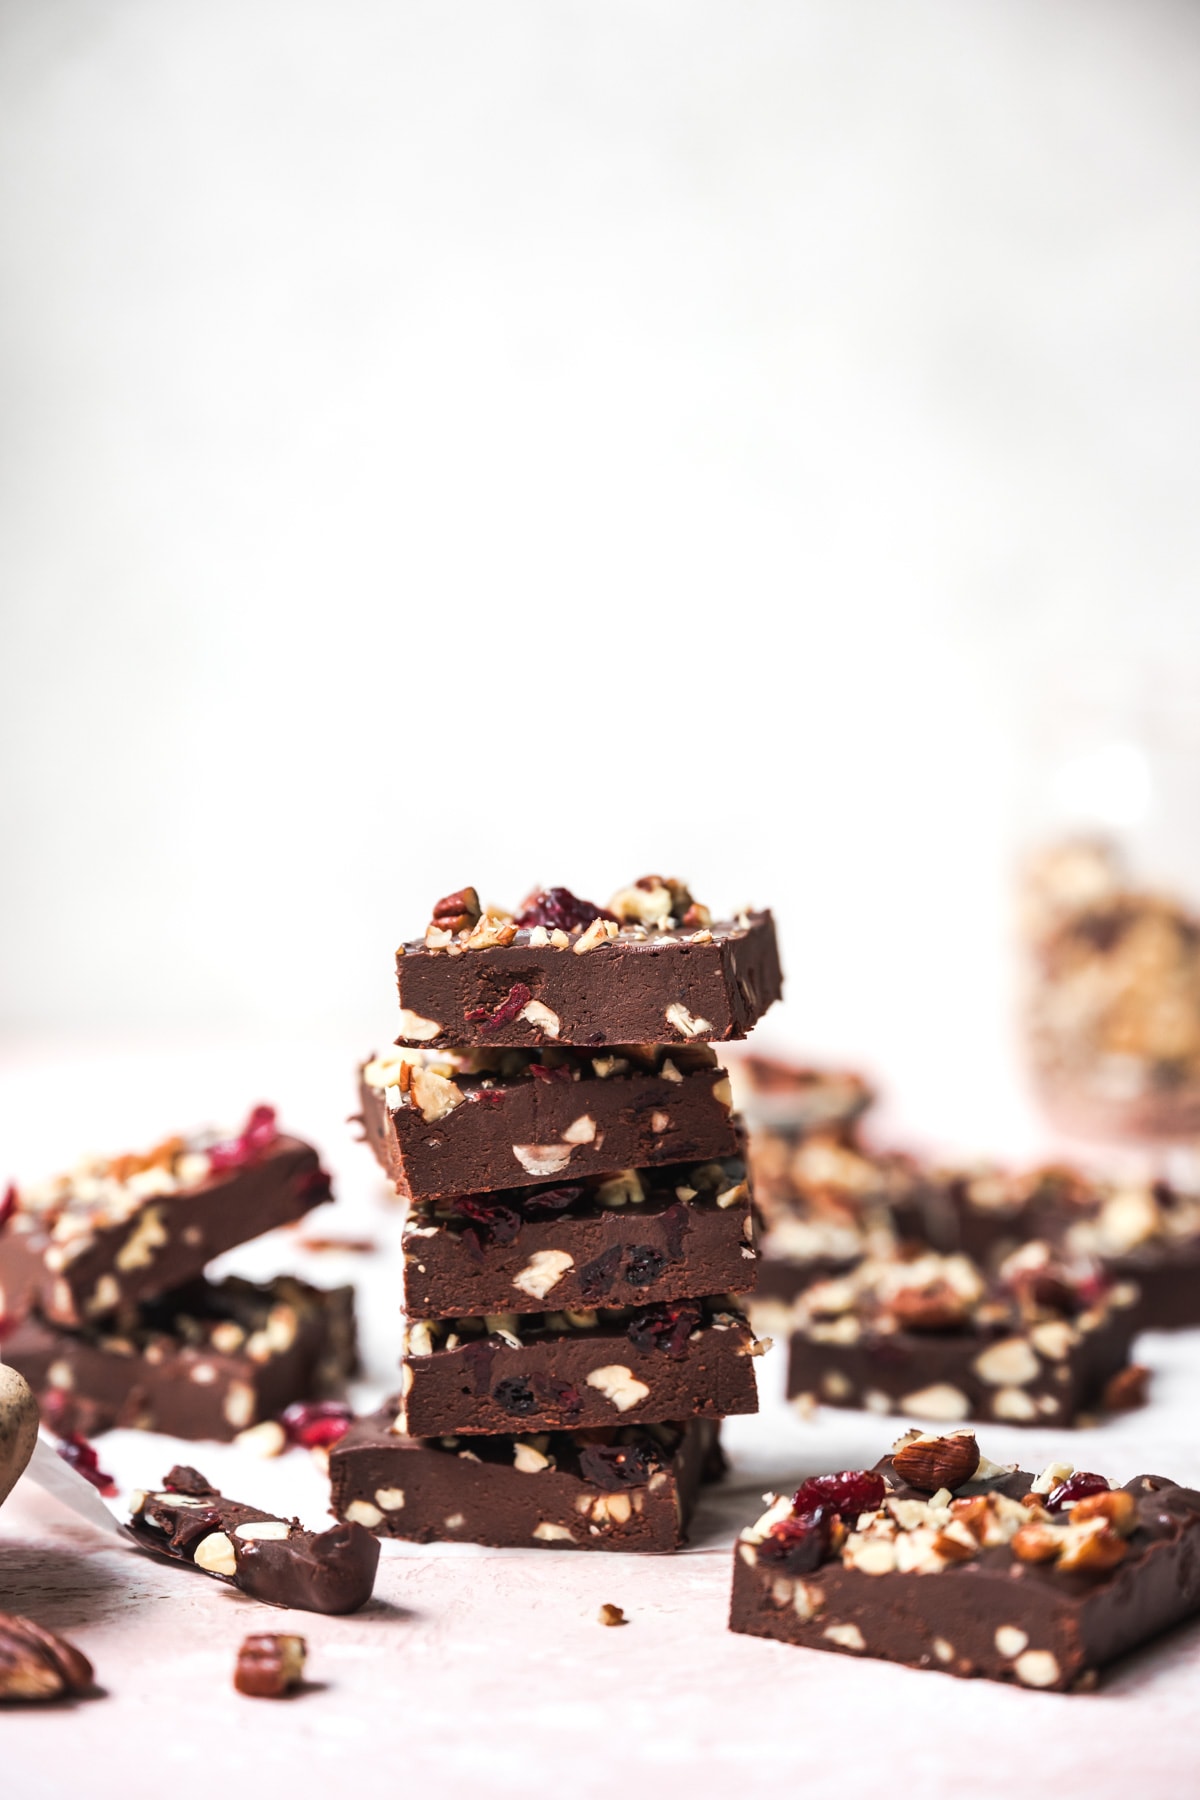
(486, 1672)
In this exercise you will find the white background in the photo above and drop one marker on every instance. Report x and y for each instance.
(533, 442)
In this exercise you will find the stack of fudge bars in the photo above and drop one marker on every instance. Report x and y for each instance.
(579, 1222)
(950, 1294)
(105, 1310)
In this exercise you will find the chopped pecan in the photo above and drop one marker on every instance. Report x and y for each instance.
(456, 912)
(36, 1664)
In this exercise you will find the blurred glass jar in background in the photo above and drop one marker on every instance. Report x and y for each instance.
(1110, 913)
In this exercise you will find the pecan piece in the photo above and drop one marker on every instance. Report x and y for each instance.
(270, 1664)
(35, 1664)
(1127, 1389)
(457, 912)
(935, 1307)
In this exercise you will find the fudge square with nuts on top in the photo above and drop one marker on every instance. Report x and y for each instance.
(650, 967)
(942, 1560)
(628, 1487)
(931, 1338)
(464, 1121)
(117, 1230)
(206, 1361)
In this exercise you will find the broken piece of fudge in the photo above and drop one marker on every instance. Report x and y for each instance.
(633, 1238)
(206, 1361)
(651, 967)
(629, 1487)
(797, 1100)
(467, 1121)
(940, 1559)
(930, 1337)
(270, 1559)
(557, 1370)
(118, 1229)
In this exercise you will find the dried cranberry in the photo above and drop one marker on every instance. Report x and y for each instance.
(83, 1459)
(546, 1072)
(255, 1139)
(493, 1224)
(596, 1277)
(315, 1424)
(800, 1544)
(491, 1019)
(515, 1396)
(549, 1201)
(665, 1328)
(558, 909)
(852, 1492)
(8, 1205)
(1075, 1487)
(558, 1396)
(612, 1466)
(645, 1265)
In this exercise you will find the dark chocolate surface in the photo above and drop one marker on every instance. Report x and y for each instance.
(205, 1362)
(637, 987)
(564, 1375)
(641, 1236)
(631, 1488)
(324, 1572)
(553, 1121)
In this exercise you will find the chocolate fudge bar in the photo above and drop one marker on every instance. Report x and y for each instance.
(206, 1361)
(628, 1488)
(552, 1371)
(651, 967)
(1146, 1232)
(117, 1230)
(932, 1338)
(782, 1097)
(270, 1559)
(826, 1204)
(939, 1559)
(627, 1239)
(462, 1122)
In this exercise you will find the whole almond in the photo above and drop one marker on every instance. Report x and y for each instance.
(930, 1463)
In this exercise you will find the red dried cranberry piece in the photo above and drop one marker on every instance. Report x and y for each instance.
(315, 1424)
(613, 1466)
(559, 1396)
(489, 1019)
(596, 1277)
(543, 1071)
(515, 1396)
(8, 1205)
(255, 1139)
(493, 1224)
(665, 1328)
(800, 1544)
(558, 909)
(1075, 1487)
(645, 1265)
(852, 1492)
(83, 1459)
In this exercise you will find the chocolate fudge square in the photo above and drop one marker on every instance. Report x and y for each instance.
(563, 1371)
(652, 967)
(628, 1239)
(468, 1121)
(120, 1229)
(622, 1488)
(942, 1560)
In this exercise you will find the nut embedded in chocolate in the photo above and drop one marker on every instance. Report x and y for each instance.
(929, 1463)
(36, 1664)
(270, 1664)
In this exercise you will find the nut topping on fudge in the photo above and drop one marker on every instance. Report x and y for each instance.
(1039, 1580)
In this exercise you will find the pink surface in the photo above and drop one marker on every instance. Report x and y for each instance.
(486, 1672)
